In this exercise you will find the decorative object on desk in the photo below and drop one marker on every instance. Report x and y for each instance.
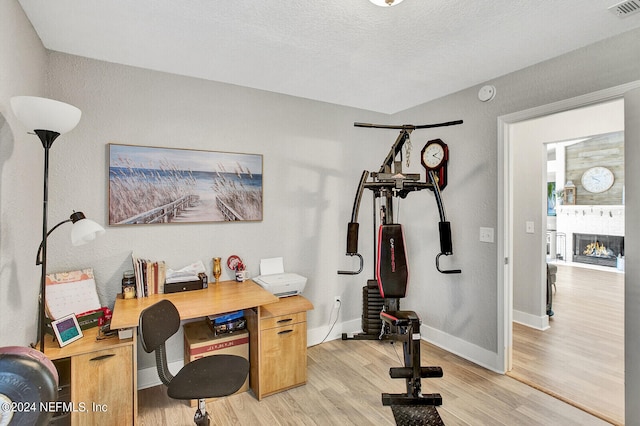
(217, 269)
(128, 285)
(237, 265)
(182, 185)
(48, 119)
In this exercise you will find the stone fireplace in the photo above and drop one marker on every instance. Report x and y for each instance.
(595, 249)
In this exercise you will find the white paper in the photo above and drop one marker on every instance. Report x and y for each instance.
(271, 266)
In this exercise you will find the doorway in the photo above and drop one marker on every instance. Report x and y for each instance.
(512, 228)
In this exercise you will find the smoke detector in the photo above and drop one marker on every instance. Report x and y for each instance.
(625, 8)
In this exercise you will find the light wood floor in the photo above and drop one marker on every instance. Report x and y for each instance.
(345, 382)
(581, 357)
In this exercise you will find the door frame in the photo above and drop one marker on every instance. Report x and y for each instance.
(505, 205)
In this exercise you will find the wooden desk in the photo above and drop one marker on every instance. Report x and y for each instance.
(225, 296)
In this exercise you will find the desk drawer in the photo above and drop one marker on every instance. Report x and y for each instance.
(284, 357)
(283, 320)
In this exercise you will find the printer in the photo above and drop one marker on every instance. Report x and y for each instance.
(273, 278)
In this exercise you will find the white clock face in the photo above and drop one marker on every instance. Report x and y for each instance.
(433, 155)
(597, 179)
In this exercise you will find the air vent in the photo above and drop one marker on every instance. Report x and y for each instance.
(626, 8)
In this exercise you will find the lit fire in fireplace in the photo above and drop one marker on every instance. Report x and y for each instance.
(597, 249)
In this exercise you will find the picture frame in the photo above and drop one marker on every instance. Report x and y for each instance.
(152, 185)
(67, 329)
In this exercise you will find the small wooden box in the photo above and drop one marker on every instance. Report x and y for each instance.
(199, 341)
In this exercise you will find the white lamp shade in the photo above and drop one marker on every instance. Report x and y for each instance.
(84, 231)
(45, 114)
(384, 3)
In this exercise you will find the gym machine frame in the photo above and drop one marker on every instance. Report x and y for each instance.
(398, 325)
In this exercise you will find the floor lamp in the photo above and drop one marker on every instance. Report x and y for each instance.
(49, 119)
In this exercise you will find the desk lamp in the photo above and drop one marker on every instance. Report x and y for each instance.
(48, 119)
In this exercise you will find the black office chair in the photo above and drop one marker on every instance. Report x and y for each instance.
(209, 377)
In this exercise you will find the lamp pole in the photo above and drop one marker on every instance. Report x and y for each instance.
(47, 137)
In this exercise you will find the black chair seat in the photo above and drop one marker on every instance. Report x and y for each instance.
(209, 377)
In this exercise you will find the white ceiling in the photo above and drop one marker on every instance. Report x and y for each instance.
(347, 52)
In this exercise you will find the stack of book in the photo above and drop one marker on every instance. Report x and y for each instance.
(150, 276)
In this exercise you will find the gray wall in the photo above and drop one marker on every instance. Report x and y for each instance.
(23, 65)
(313, 158)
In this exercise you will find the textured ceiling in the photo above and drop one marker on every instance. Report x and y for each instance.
(347, 52)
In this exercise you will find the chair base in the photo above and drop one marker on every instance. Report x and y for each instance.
(201, 418)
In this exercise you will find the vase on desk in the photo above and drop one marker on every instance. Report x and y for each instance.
(217, 269)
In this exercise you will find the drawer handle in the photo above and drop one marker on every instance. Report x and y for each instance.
(101, 357)
(285, 332)
(285, 320)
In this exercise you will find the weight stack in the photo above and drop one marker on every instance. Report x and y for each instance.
(372, 304)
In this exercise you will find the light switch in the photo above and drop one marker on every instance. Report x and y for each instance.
(530, 228)
(486, 235)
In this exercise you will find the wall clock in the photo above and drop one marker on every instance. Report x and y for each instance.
(434, 157)
(597, 179)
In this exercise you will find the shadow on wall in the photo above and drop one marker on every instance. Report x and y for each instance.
(9, 291)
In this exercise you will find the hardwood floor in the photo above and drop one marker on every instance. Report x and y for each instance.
(345, 382)
(581, 357)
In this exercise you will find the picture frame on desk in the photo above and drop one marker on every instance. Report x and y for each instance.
(67, 329)
(152, 185)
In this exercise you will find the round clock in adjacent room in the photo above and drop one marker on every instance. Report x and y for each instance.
(597, 179)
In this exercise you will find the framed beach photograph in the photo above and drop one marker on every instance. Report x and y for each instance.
(168, 185)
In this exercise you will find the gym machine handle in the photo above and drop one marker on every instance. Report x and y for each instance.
(352, 229)
(446, 243)
(446, 247)
(352, 247)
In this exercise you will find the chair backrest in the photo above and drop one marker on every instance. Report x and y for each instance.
(157, 323)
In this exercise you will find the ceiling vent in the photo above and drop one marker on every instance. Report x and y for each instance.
(626, 8)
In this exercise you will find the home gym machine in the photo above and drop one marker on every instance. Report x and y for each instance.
(382, 318)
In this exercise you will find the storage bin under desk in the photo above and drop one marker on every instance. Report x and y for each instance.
(199, 341)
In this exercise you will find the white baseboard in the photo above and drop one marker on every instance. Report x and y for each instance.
(533, 321)
(462, 348)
